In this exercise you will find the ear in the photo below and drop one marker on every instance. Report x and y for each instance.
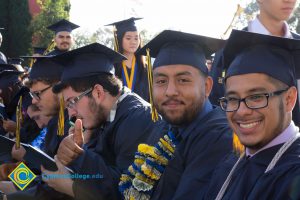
(291, 98)
(98, 93)
(208, 86)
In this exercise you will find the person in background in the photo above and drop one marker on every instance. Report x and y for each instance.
(271, 20)
(133, 71)
(63, 36)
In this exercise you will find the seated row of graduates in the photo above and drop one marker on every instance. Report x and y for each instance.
(180, 145)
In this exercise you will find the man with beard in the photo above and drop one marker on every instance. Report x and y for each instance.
(260, 96)
(96, 97)
(63, 37)
(180, 163)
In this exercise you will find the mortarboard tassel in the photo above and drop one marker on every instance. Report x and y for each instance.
(61, 117)
(31, 61)
(50, 47)
(116, 44)
(238, 147)
(150, 84)
(19, 119)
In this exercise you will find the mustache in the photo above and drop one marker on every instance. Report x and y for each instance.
(173, 100)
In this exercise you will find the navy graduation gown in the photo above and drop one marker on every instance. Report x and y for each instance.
(250, 182)
(141, 79)
(55, 52)
(203, 144)
(114, 151)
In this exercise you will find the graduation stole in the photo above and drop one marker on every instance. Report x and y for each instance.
(147, 168)
(129, 80)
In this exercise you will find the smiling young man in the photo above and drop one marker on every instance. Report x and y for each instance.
(196, 135)
(271, 20)
(63, 36)
(260, 96)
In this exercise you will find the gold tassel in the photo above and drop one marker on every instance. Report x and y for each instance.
(150, 85)
(61, 117)
(238, 147)
(237, 13)
(50, 47)
(31, 61)
(19, 119)
(116, 44)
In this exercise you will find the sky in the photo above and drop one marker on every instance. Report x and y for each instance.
(203, 17)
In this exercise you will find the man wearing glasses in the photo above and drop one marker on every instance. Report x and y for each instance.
(96, 98)
(260, 96)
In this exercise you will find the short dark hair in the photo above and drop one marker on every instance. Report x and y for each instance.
(109, 82)
(277, 83)
(29, 82)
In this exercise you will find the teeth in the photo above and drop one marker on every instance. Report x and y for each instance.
(250, 125)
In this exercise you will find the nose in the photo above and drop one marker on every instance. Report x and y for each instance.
(72, 112)
(171, 89)
(243, 109)
(34, 100)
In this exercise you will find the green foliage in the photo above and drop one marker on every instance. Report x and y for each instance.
(15, 18)
(103, 36)
(51, 12)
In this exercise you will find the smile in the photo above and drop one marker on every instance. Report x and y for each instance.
(249, 125)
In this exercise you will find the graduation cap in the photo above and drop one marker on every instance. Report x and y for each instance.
(87, 61)
(39, 50)
(121, 27)
(62, 25)
(247, 52)
(9, 77)
(44, 67)
(175, 47)
(125, 25)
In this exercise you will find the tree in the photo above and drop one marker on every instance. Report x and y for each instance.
(51, 12)
(15, 18)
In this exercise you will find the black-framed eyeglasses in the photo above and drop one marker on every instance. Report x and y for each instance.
(255, 101)
(37, 94)
(72, 102)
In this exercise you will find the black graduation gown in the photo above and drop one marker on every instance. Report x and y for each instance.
(203, 144)
(114, 151)
(250, 182)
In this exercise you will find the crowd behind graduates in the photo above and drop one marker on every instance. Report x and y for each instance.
(168, 129)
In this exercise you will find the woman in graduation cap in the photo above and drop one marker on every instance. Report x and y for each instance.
(132, 71)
